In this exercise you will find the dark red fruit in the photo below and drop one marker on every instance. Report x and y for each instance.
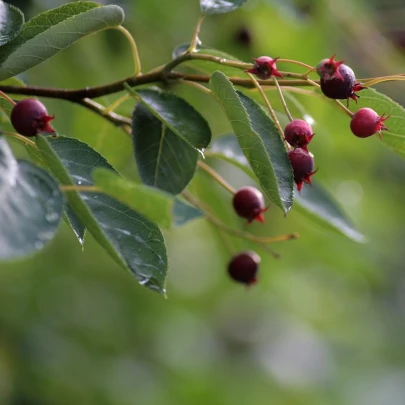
(249, 203)
(298, 133)
(243, 267)
(329, 68)
(366, 122)
(302, 163)
(343, 87)
(30, 117)
(265, 67)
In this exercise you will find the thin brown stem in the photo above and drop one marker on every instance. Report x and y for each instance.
(194, 40)
(287, 111)
(19, 137)
(216, 176)
(6, 97)
(134, 48)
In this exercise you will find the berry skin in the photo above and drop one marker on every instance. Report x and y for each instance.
(248, 203)
(366, 122)
(302, 163)
(343, 87)
(243, 267)
(29, 117)
(298, 133)
(265, 67)
(329, 68)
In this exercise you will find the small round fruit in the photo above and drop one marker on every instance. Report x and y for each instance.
(248, 203)
(340, 87)
(244, 267)
(265, 67)
(302, 163)
(298, 133)
(366, 122)
(30, 117)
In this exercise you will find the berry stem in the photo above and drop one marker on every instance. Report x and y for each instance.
(219, 224)
(67, 188)
(20, 137)
(134, 48)
(270, 108)
(216, 176)
(6, 97)
(296, 62)
(197, 86)
(377, 80)
(287, 111)
(194, 40)
(116, 103)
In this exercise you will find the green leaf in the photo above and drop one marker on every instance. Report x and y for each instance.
(178, 116)
(259, 139)
(158, 206)
(220, 6)
(164, 160)
(54, 30)
(314, 202)
(133, 241)
(75, 224)
(11, 22)
(31, 206)
(5, 106)
(394, 138)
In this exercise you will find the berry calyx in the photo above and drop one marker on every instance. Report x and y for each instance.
(248, 203)
(329, 68)
(29, 117)
(244, 267)
(298, 133)
(302, 163)
(343, 87)
(366, 122)
(265, 67)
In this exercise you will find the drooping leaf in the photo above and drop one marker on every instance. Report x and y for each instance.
(178, 116)
(164, 160)
(75, 224)
(394, 138)
(314, 202)
(220, 6)
(11, 22)
(157, 205)
(55, 30)
(133, 241)
(259, 139)
(31, 206)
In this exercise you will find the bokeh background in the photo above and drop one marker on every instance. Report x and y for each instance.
(326, 322)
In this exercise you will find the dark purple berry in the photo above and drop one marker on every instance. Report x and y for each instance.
(30, 117)
(243, 267)
(302, 163)
(248, 203)
(298, 133)
(265, 67)
(366, 122)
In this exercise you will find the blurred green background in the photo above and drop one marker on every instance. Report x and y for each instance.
(326, 322)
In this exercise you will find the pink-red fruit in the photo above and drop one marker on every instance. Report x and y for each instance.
(329, 68)
(244, 267)
(302, 163)
(29, 117)
(265, 67)
(298, 133)
(366, 122)
(248, 203)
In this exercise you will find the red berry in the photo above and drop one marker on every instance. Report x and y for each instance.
(302, 163)
(342, 86)
(366, 122)
(298, 133)
(30, 117)
(265, 67)
(243, 267)
(329, 68)
(248, 203)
